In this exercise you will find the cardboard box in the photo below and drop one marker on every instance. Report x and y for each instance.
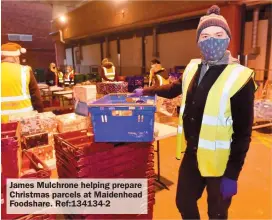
(85, 93)
(72, 122)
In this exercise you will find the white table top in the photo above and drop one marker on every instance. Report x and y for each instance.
(63, 92)
(165, 131)
(68, 96)
(55, 88)
(42, 86)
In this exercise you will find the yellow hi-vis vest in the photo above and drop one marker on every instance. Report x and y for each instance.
(216, 128)
(68, 80)
(109, 73)
(161, 80)
(60, 75)
(15, 96)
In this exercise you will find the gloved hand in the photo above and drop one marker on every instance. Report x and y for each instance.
(137, 93)
(228, 188)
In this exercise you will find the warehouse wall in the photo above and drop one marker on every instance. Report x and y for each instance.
(148, 51)
(91, 54)
(30, 18)
(113, 52)
(131, 56)
(177, 48)
(259, 62)
(69, 57)
(122, 14)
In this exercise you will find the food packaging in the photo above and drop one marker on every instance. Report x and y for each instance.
(72, 122)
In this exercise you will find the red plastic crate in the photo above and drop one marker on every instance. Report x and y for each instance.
(109, 159)
(10, 129)
(82, 150)
(35, 140)
(74, 134)
(80, 143)
(30, 161)
(120, 171)
(10, 155)
(38, 217)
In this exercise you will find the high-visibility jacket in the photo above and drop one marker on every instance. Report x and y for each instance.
(69, 79)
(216, 128)
(161, 80)
(15, 96)
(60, 75)
(109, 73)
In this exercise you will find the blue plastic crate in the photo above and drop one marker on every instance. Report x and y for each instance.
(117, 119)
(81, 108)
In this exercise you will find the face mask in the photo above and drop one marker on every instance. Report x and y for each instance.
(213, 49)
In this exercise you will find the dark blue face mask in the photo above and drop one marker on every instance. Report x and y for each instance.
(213, 49)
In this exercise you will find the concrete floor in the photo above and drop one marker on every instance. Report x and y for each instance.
(254, 198)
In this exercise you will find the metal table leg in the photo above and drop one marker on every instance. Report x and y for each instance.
(158, 180)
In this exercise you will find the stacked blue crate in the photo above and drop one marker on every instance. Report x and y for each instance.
(120, 118)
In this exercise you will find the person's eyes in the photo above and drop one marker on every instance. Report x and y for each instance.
(205, 36)
(219, 35)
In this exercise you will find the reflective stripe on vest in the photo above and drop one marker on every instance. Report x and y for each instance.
(60, 77)
(109, 75)
(13, 111)
(161, 80)
(216, 128)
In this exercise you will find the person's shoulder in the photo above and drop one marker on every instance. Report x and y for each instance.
(195, 61)
(242, 68)
(29, 68)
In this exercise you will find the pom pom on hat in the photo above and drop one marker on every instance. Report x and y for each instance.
(23, 50)
(213, 10)
(213, 18)
(12, 50)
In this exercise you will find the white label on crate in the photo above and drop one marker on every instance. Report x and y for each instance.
(131, 108)
(77, 196)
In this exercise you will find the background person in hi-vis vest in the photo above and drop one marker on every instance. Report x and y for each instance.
(215, 122)
(19, 90)
(158, 75)
(108, 71)
(69, 76)
(60, 77)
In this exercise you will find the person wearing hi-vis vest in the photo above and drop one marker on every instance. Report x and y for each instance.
(215, 121)
(108, 71)
(158, 75)
(60, 78)
(19, 90)
(69, 76)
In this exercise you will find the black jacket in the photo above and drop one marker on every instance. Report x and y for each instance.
(50, 78)
(241, 108)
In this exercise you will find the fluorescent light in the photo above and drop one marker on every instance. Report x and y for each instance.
(63, 19)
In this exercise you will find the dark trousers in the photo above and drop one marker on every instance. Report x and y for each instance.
(190, 188)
